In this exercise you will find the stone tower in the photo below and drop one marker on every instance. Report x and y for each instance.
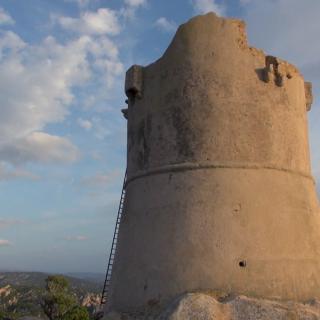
(219, 188)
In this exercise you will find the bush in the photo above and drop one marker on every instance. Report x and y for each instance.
(59, 303)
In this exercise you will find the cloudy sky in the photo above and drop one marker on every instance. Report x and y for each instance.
(62, 136)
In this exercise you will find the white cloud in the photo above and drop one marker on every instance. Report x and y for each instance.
(85, 124)
(135, 3)
(112, 69)
(36, 89)
(39, 147)
(10, 43)
(9, 173)
(130, 7)
(103, 22)
(36, 83)
(164, 24)
(5, 18)
(245, 2)
(106, 61)
(100, 129)
(104, 46)
(81, 3)
(5, 243)
(4, 223)
(76, 238)
(204, 6)
(98, 26)
(96, 155)
(101, 179)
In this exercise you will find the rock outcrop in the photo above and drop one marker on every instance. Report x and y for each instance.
(211, 306)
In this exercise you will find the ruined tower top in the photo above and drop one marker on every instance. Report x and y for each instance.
(210, 64)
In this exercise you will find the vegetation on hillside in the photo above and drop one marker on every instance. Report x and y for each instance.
(47, 297)
(59, 303)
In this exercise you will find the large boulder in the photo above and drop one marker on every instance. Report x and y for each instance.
(196, 306)
(217, 306)
(206, 307)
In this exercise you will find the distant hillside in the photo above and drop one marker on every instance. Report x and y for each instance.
(90, 276)
(20, 293)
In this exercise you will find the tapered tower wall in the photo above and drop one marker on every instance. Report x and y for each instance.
(219, 191)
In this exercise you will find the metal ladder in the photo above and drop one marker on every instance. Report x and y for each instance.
(107, 280)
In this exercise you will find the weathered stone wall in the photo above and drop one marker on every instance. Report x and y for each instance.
(219, 194)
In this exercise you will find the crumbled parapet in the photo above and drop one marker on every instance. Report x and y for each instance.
(309, 96)
(278, 71)
(272, 71)
(134, 82)
(242, 39)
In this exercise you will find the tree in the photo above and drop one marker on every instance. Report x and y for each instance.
(59, 303)
(77, 313)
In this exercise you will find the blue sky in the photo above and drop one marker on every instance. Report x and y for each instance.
(62, 136)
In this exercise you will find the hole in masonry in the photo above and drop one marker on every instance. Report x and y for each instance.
(242, 264)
